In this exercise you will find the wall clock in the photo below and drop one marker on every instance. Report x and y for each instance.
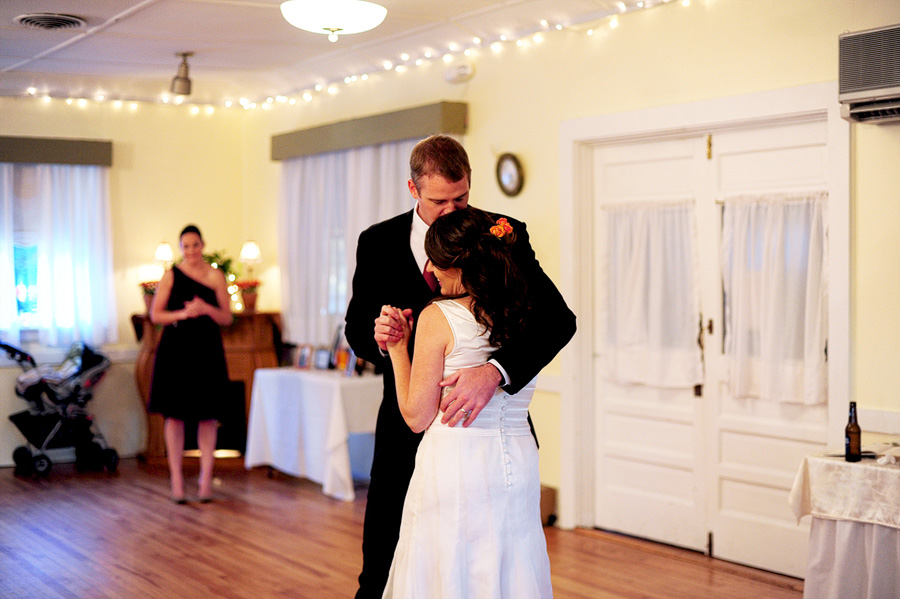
(510, 176)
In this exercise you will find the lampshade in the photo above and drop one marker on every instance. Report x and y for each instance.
(164, 253)
(181, 84)
(333, 17)
(250, 253)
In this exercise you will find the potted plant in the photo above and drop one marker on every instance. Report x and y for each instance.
(148, 290)
(221, 261)
(249, 291)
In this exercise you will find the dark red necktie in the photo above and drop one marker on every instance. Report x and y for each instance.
(430, 278)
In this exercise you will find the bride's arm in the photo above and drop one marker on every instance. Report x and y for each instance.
(418, 391)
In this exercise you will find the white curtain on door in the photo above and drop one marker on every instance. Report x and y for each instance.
(650, 306)
(776, 296)
(327, 200)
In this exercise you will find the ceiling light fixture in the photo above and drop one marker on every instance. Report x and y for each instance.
(181, 84)
(333, 17)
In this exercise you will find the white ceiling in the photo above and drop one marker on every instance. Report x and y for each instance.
(245, 48)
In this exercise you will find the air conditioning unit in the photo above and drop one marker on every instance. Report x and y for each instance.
(869, 86)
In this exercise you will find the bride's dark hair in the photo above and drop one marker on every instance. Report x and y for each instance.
(463, 239)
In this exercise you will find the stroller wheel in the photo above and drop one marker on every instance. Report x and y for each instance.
(111, 459)
(42, 464)
(23, 461)
(88, 456)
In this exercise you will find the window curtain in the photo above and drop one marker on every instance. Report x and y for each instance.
(9, 317)
(650, 307)
(776, 296)
(327, 200)
(67, 208)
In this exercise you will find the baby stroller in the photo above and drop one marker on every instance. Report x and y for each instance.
(56, 417)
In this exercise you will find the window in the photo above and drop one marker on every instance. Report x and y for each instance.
(651, 304)
(773, 249)
(327, 200)
(54, 231)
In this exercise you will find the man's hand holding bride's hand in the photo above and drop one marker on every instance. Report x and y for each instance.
(393, 328)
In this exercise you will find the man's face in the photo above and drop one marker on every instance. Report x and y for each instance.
(436, 196)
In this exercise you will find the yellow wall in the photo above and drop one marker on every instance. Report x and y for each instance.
(171, 167)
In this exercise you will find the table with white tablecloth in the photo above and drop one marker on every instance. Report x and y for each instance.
(854, 539)
(300, 422)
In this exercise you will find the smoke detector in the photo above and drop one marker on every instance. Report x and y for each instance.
(47, 20)
(459, 73)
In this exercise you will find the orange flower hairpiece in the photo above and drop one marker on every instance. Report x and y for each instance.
(501, 228)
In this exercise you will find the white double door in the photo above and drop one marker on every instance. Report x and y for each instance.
(698, 468)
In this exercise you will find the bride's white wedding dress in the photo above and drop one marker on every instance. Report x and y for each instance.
(471, 525)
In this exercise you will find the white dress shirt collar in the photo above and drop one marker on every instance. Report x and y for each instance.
(417, 239)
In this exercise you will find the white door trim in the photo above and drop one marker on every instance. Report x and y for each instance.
(577, 136)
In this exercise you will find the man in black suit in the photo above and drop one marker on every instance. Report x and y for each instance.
(390, 266)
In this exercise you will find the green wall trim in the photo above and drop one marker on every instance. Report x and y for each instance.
(47, 150)
(412, 123)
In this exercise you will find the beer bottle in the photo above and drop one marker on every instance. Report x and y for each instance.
(851, 436)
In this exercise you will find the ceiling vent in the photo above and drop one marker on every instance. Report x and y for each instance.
(47, 20)
(869, 82)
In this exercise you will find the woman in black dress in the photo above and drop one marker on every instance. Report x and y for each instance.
(190, 376)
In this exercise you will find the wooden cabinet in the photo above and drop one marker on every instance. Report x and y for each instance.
(251, 342)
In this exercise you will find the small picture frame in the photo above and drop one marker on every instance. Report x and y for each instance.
(350, 367)
(323, 358)
(336, 346)
(304, 356)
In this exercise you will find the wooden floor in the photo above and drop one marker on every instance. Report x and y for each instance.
(78, 535)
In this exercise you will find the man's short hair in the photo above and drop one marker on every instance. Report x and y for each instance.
(439, 155)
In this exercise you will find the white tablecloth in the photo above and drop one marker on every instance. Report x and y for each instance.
(300, 421)
(854, 541)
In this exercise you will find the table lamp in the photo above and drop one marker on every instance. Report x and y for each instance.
(250, 255)
(164, 254)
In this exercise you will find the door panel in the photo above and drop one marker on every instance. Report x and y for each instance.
(673, 467)
(756, 445)
(649, 479)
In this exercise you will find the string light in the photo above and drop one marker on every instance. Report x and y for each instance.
(331, 88)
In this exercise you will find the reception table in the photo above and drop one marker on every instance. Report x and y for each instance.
(300, 421)
(854, 539)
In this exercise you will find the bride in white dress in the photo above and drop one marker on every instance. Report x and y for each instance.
(471, 525)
